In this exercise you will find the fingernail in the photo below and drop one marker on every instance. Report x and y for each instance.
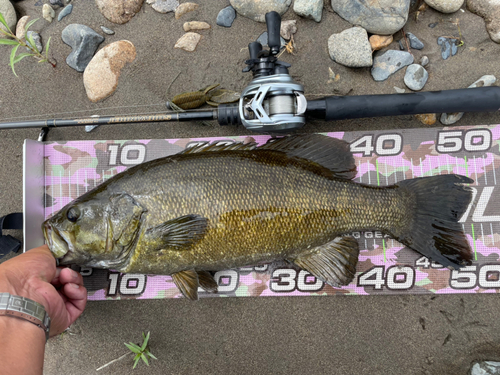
(73, 273)
(76, 286)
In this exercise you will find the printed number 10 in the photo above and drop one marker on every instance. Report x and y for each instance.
(127, 155)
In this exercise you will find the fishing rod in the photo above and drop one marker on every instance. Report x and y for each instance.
(274, 103)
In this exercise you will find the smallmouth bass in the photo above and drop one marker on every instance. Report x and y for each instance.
(214, 207)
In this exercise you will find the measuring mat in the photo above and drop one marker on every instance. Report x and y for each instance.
(58, 172)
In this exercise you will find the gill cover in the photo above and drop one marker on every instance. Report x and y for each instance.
(124, 218)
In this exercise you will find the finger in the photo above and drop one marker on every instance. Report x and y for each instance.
(77, 299)
(69, 276)
(44, 258)
(56, 281)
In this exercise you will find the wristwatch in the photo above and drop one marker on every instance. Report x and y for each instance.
(24, 308)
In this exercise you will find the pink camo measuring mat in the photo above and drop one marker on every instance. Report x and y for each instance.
(382, 158)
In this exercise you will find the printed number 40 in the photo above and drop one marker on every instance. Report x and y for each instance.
(385, 144)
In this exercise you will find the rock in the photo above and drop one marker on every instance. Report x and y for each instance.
(288, 28)
(382, 17)
(380, 41)
(416, 77)
(9, 13)
(448, 47)
(101, 75)
(188, 41)
(427, 118)
(424, 61)
(226, 16)
(351, 48)
(48, 12)
(445, 6)
(484, 81)
(263, 39)
(389, 62)
(490, 11)
(84, 42)
(21, 26)
(256, 10)
(312, 9)
(164, 6)
(36, 38)
(66, 11)
(89, 128)
(56, 3)
(185, 8)
(415, 43)
(399, 90)
(433, 25)
(485, 368)
(119, 11)
(195, 25)
(107, 31)
(450, 119)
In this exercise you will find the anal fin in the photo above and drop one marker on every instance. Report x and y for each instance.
(187, 282)
(207, 282)
(334, 262)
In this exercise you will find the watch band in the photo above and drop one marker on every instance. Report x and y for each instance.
(25, 308)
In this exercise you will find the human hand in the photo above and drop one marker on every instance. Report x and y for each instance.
(34, 275)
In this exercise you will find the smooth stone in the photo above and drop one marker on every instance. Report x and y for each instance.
(195, 25)
(256, 10)
(188, 41)
(415, 43)
(448, 47)
(21, 26)
(57, 3)
(226, 16)
(383, 17)
(427, 118)
(119, 11)
(485, 368)
(84, 42)
(389, 62)
(48, 12)
(451, 118)
(263, 39)
(36, 38)
(484, 81)
(164, 6)
(445, 6)
(490, 11)
(107, 31)
(312, 9)
(100, 77)
(184, 8)
(378, 42)
(399, 90)
(416, 77)
(66, 11)
(351, 48)
(288, 28)
(424, 61)
(433, 25)
(9, 14)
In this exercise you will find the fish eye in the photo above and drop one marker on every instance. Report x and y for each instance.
(73, 214)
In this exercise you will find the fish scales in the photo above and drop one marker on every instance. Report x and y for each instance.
(258, 208)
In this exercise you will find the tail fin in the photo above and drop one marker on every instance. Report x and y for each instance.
(433, 229)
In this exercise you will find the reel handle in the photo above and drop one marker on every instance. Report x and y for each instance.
(273, 22)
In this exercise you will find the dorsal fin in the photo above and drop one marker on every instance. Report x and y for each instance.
(331, 153)
(219, 146)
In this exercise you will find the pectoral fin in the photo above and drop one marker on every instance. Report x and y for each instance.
(207, 282)
(334, 262)
(187, 282)
(179, 233)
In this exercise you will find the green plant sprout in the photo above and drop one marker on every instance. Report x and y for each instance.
(29, 43)
(141, 352)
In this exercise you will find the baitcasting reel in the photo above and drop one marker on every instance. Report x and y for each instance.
(274, 103)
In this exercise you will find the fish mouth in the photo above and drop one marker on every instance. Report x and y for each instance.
(55, 242)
